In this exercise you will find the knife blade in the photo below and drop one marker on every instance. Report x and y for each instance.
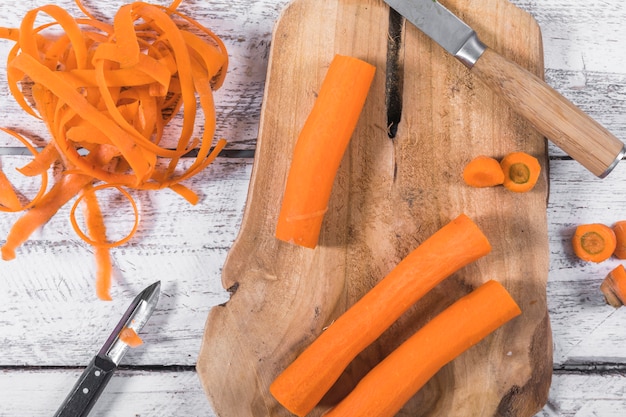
(99, 371)
(551, 114)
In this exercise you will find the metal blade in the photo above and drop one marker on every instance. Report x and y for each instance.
(135, 318)
(442, 26)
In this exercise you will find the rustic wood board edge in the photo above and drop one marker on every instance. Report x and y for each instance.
(283, 295)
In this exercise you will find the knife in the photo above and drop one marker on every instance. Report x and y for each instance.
(576, 133)
(95, 377)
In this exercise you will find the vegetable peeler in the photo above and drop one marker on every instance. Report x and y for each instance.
(95, 377)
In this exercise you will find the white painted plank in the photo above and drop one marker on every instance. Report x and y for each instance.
(39, 393)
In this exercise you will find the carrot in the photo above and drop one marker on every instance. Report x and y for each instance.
(594, 242)
(110, 89)
(320, 148)
(305, 381)
(521, 171)
(483, 171)
(390, 384)
(619, 229)
(613, 287)
(130, 337)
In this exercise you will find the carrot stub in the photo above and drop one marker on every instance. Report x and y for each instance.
(390, 384)
(613, 287)
(521, 171)
(303, 383)
(594, 242)
(483, 171)
(320, 147)
(619, 229)
(130, 337)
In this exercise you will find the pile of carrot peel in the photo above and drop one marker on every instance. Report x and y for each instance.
(106, 92)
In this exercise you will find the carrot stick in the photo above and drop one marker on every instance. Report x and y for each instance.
(613, 287)
(483, 171)
(594, 242)
(619, 229)
(320, 147)
(389, 385)
(521, 171)
(301, 386)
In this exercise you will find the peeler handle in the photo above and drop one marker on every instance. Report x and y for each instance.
(551, 114)
(87, 389)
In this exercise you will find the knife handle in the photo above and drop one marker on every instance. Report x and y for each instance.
(87, 389)
(551, 114)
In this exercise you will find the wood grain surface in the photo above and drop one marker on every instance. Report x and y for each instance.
(389, 196)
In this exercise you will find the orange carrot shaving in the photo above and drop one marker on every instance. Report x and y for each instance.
(320, 147)
(619, 229)
(594, 242)
(9, 200)
(390, 384)
(483, 171)
(130, 337)
(614, 287)
(521, 171)
(303, 383)
(106, 92)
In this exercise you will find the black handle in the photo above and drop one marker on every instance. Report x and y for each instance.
(87, 389)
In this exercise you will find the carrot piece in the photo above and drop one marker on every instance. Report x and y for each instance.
(38, 215)
(483, 171)
(619, 229)
(594, 242)
(390, 384)
(305, 381)
(521, 171)
(9, 201)
(613, 287)
(320, 147)
(129, 336)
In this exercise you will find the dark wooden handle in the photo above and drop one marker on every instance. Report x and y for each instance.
(551, 114)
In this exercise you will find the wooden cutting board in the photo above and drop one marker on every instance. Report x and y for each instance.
(389, 196)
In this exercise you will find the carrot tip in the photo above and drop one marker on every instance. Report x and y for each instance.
(7, 254)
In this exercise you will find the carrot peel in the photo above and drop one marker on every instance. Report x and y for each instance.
(106, 92)
(129, 336)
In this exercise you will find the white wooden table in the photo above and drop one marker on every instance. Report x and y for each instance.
(51, 323)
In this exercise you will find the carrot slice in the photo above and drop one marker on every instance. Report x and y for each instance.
(521, 171)
(320, 147)
(129, 336)
(390, 384)
(106, 92)
(613, 287)
(619, 228)
(594, 242)
(483, 171)
(303, 383)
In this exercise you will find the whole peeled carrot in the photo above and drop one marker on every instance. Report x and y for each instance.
(303, 384)
(320, 147)
(390, 384)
